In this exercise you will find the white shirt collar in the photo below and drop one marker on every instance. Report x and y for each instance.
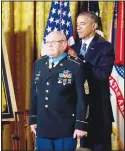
(88, 41)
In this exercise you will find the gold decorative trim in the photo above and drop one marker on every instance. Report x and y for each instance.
(33, 116)
(82, 121)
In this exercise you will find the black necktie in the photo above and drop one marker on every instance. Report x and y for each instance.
(52, 64)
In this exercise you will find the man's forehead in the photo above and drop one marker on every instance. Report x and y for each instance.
(59, 35)
(83, 19)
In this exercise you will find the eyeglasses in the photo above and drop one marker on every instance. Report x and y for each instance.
(52, 42)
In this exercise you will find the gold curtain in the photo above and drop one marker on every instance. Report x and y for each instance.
(24, 24)
(106, 13)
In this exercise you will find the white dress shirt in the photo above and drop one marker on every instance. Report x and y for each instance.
(87, 42)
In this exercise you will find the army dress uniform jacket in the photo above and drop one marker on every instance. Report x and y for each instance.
(58, 104)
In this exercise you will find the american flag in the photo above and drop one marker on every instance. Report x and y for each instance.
(59, 20)
(120, 70)
(116, 80)
(118, 33)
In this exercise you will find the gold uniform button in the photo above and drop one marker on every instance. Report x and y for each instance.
(47, 83)
(73, 114)
(46, 106)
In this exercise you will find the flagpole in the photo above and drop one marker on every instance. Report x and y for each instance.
(88, 6)
(60, 14)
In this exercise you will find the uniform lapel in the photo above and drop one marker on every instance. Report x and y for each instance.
(45, 69)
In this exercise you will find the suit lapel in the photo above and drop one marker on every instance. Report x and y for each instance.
(91, 48)
(76, 47)
(79, 46)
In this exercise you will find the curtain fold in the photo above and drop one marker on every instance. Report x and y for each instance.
(106, 13)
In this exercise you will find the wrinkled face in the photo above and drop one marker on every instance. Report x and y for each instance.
(55, 44)
(85, 27)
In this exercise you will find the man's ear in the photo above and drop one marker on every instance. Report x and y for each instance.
(95, 26)
(65, 45)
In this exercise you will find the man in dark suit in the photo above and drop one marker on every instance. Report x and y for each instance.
(58, 108)
(98, 57)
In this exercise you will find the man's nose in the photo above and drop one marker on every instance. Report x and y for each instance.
(50, 44)
(78, 27)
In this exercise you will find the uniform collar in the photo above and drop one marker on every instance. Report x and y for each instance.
(57, 59)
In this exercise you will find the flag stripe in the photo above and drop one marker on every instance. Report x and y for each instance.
(120, 35)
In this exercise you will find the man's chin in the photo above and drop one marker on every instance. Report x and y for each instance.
(80, 36)
(51, 56)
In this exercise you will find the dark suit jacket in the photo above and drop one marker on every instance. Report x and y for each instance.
(57, 98)
(99, 61)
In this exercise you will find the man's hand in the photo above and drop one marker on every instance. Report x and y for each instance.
(79, 133)
(33, 128)
(72, 52)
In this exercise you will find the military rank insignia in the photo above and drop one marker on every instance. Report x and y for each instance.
(86, 87)
(65, 77)
(37, 76)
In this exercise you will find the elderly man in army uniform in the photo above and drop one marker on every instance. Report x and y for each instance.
(58, 105)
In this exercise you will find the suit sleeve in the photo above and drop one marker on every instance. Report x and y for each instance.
(81, 111)
(103, 67)
(33, 102)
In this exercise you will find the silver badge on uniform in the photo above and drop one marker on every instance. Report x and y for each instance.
(64, 81)
(59, 81)
(69, 81)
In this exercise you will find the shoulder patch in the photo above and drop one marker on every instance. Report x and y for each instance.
(41, 58)
(74, 59)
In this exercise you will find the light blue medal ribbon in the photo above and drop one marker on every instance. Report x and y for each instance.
(57, 59)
